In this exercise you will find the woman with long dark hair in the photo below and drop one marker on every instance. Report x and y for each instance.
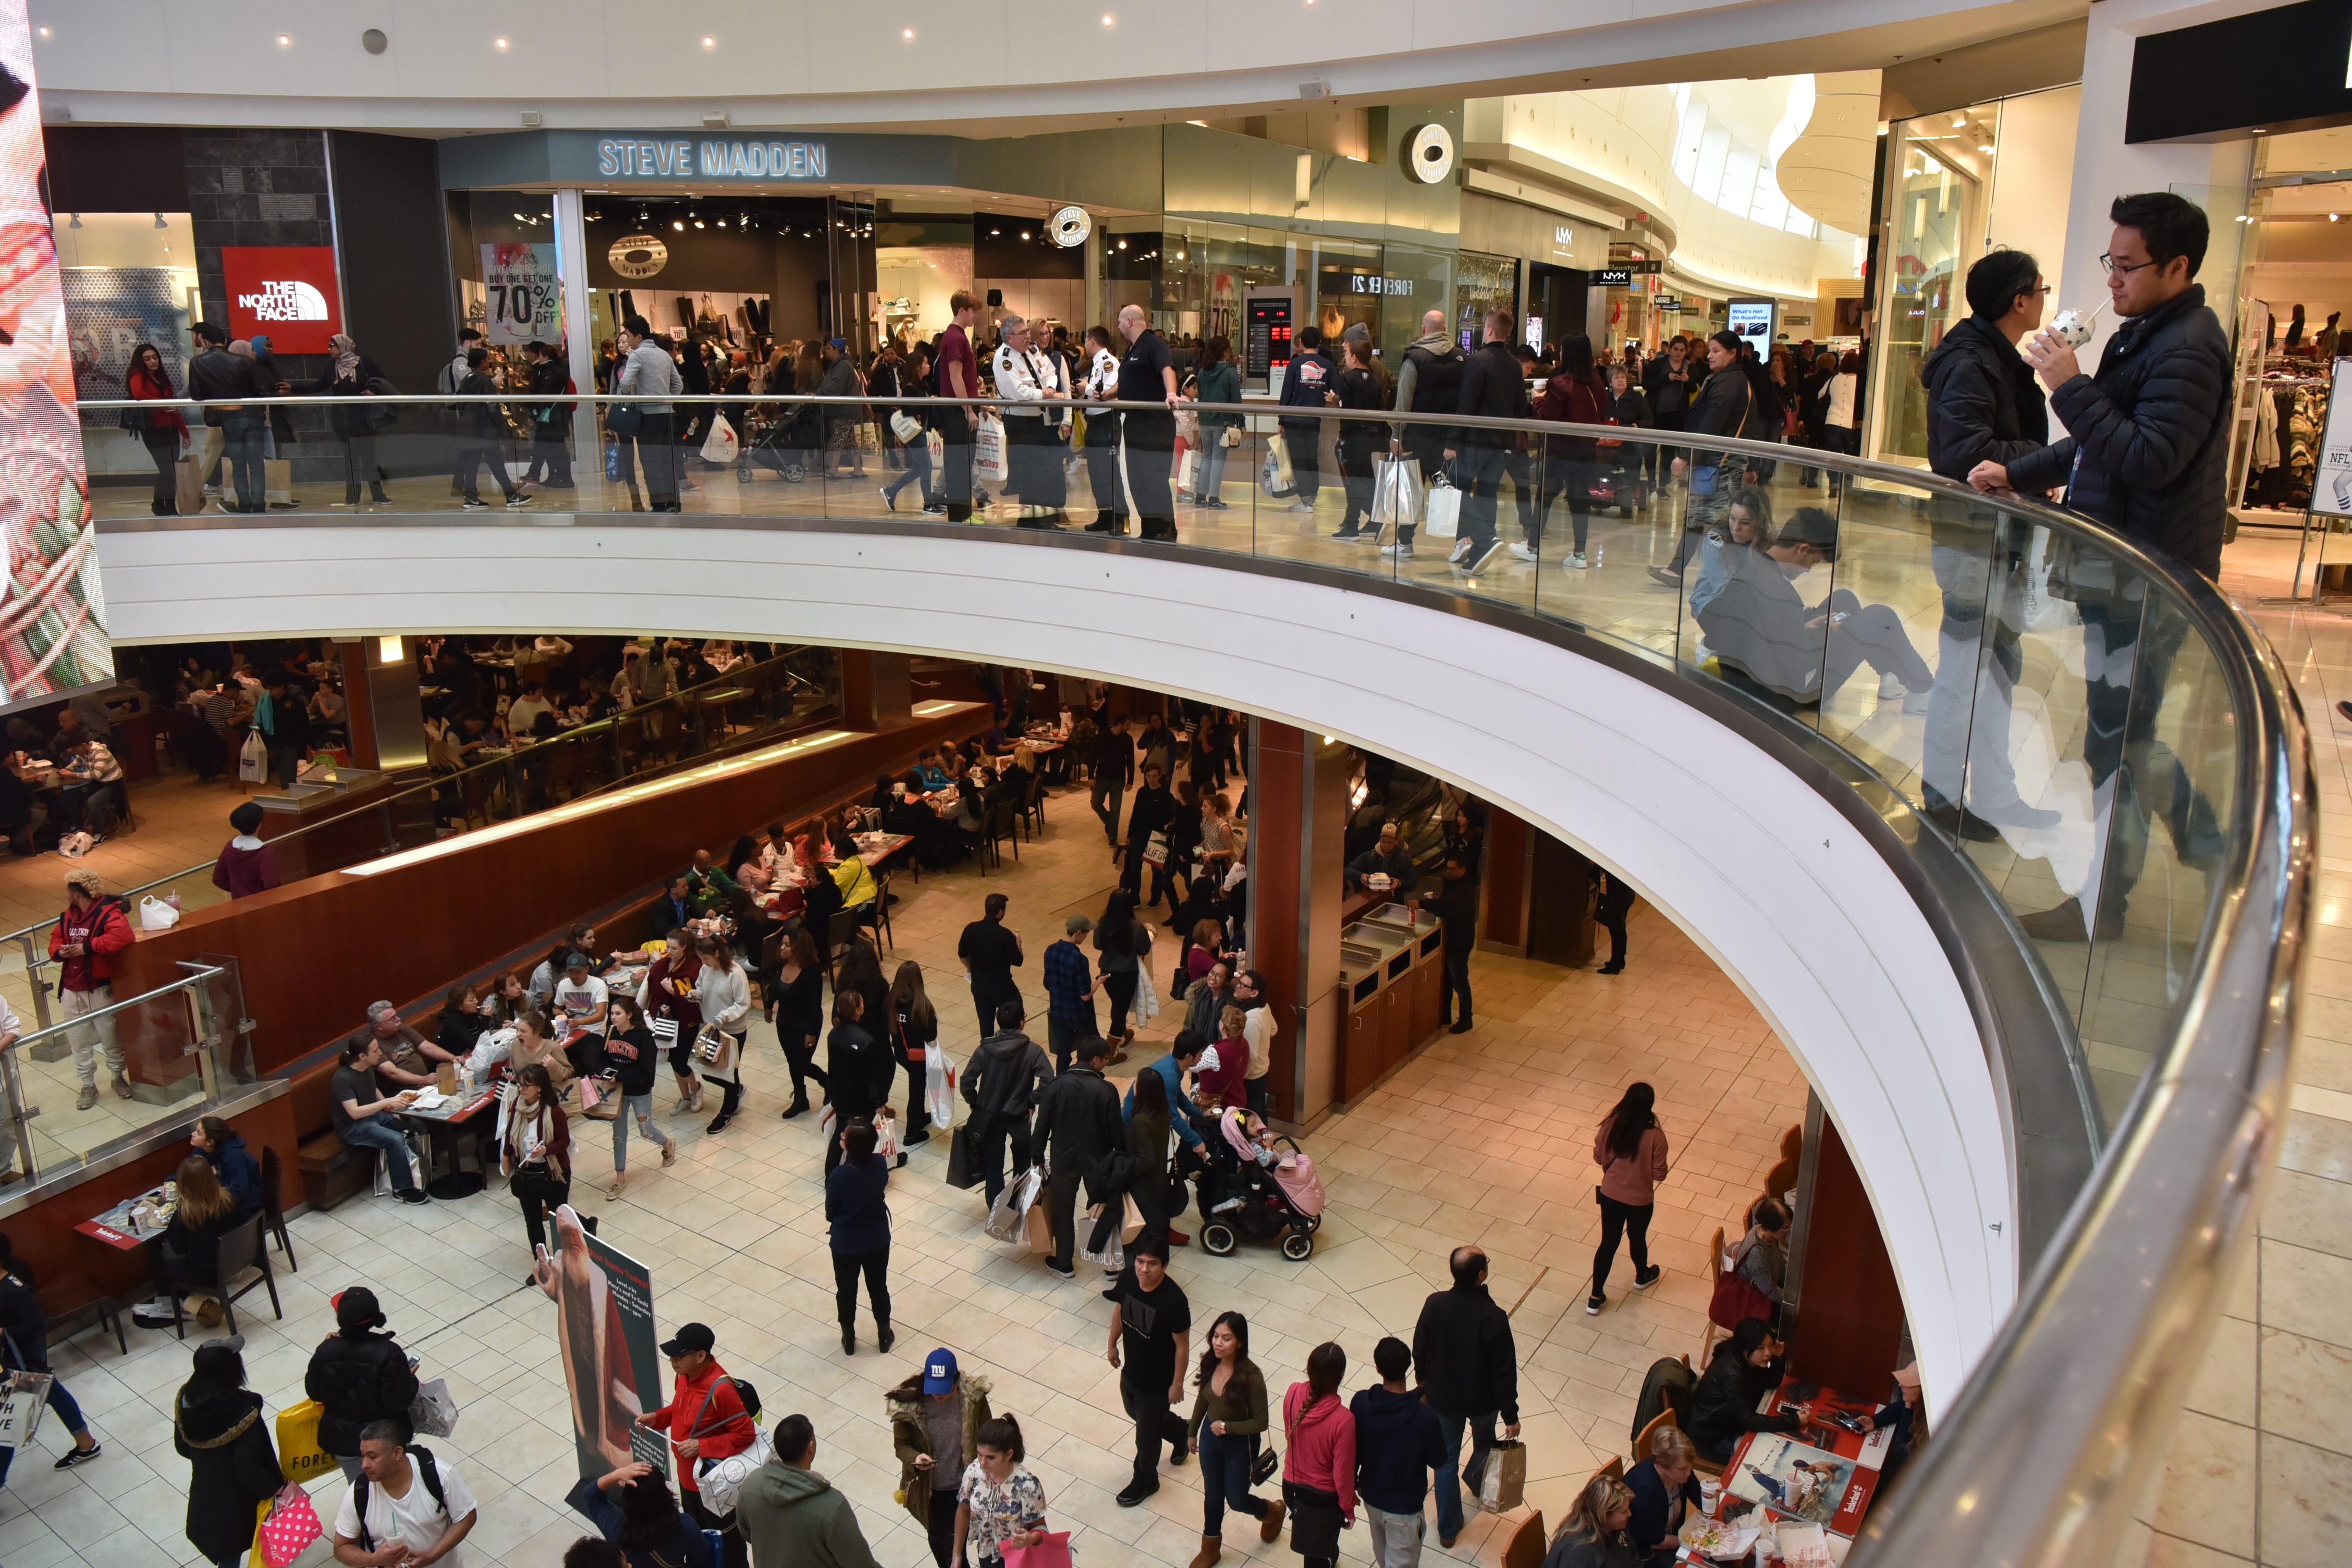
(1630, 1147)
(535, 1150)
(1229, 1415)
(914, 1036)
(1574, 396)
(218, 1427)
(1363, 386)
(638, 1513)
(1125, 944)
(629, 1047)
(1218, 380)
(1724, 1403)
(163, 431)
(797, 1005)
(189, 1251)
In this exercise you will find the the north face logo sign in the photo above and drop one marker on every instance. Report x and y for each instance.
(288, 301)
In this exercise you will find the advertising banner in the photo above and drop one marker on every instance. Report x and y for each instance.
(523, 299)
(110, 311)
(52, 628)
(2331, 485)
(286, 293)
(604, 1334)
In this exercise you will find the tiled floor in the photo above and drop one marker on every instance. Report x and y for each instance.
(1484, 1138)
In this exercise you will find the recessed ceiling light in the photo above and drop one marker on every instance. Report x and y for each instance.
(1109, 20)
(698, 223)
(285, 40)
(1959, 121)
(709, 42)
(45, 32)
(1984, 146)
(1024, 234)
(678, 223)
(2335, 217)
(908, 34)
(498, 43)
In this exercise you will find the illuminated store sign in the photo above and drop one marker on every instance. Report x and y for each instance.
(1361, 283)
(684, 158)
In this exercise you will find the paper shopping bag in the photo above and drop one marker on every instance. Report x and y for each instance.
(988, 451)
(1445, 513)
(188, 487)
(963, 1159)
(1504, 1487)
(299, 1454)
(278, 481)
(1053, 1551)
(1130, 1224)
(1040, 1230)
(291, 1526)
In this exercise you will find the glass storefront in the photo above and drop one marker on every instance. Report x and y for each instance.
(128, 279)
(1482, 283)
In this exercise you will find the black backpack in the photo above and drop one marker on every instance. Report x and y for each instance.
(426, 1470)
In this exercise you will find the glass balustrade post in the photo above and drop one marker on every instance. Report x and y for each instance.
(34, 958)
(20, 1115)
(207, 1036)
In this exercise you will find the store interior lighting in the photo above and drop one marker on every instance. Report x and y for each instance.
(160, 223)
(75, 222)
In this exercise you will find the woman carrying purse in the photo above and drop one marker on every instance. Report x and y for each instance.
(535, 1150)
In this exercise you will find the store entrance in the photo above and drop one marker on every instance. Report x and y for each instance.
(2294, 297)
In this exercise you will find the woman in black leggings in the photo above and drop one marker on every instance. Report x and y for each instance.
(1630, 1150)
(1125, 944)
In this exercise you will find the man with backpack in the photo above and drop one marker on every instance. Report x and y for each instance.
(94, 927)
(405, 1507)
(707, 1417)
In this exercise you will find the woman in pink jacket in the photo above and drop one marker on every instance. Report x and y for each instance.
(1630, 1150)
(1319, 1469)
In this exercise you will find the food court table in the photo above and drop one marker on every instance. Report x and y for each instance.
(1825, 1475)
(116, 1228)
(440, 1122)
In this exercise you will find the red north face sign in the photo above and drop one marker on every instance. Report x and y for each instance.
(286, 293)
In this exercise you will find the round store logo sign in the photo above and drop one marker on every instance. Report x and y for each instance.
(1429, 155)
(1070, 227)
(638, 255)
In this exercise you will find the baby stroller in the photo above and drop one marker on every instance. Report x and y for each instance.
(1261, 1201)
(787, 445)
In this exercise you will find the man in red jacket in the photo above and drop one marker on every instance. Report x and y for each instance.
(94, 928)
(706, 1420)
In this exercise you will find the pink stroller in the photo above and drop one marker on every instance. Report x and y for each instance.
(1262, 1201)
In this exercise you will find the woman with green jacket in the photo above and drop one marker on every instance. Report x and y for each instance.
(1219, 381)
(1228, 1415)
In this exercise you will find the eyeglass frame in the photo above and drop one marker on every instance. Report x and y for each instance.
(2108, 260)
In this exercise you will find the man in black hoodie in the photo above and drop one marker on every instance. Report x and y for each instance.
(218, 375)
(1398, 1444)
(1311, 381)
(1982, 405)
(1493, 387)
(1001, 1086)
(1077, 1123)
(2147, 454)
(1469, 1372)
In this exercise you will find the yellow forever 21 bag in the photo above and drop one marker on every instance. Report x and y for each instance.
(299, 1454)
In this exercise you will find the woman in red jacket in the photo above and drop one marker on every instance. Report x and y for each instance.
(164, 430)
(1319, 1469)
(1574, 396)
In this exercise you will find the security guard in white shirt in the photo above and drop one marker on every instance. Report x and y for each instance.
(1033, 434)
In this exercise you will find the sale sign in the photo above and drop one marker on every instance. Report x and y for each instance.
(522, 298)
(286, 293)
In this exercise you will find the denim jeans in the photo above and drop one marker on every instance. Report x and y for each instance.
(1225, 1478)
(639, 1108)
(1213, 452)
(241, 437)
(377, 1132)
(1453, 1475)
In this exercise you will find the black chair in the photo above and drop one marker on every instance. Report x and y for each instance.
(877, 913)
(995, 829)
(273, 1206)
(1032, 804)
(240, 1249)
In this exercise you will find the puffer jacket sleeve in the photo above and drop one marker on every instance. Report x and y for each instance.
(2152, 444)
(1962, 407)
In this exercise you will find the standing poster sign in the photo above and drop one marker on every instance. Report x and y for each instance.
(522, 298)
(2331, 483)
(604, 1334)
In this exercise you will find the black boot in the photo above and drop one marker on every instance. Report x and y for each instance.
(376, 493)
(883, 1337)
(799, 1107)
(848, 1340)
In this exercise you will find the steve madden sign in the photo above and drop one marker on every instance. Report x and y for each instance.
(680, 158)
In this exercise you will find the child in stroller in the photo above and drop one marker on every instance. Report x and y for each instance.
(788, 444)
(1259, 1189)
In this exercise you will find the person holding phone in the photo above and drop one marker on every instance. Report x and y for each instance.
(1000, 1503)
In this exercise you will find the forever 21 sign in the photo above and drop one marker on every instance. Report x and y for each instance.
(682, 158)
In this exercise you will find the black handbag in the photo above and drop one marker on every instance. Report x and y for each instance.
(963, 1159)
(625, 420)
(1262, 1469)
(1314, 1524)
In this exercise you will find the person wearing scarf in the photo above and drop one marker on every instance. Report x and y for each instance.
(353, 374)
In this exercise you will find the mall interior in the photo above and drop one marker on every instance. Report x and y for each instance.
(1937, 869)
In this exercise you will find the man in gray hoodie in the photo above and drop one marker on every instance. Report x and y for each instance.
(791, 1516)
(1429, 382)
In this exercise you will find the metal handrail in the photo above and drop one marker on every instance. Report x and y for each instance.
(2039, 1460)
(35, 960)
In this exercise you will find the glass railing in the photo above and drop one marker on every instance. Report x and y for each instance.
(151, 1059)
(752, 701)
(2095, 736)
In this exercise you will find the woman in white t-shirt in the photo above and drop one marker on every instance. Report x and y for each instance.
(999, 1503)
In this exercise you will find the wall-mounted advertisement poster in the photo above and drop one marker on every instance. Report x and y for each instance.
(53, 618)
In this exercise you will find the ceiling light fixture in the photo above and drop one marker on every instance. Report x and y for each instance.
(709, 42)
(678, 225)
(1109, 20)
(1024, 234)
(644, 216)
(160, 223)
(498, 43)
(2335, 217)
(1984, 146)
(1959, 121)
(75, 222)
(45, 32)
(698, 223)
(285, 40)
(908, 34)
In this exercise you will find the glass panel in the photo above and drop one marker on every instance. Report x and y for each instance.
(1935, 228)
(1904, 580)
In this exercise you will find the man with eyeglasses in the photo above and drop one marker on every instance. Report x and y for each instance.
(2146, 454)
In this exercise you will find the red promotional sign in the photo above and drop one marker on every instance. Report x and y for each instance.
(286, 293)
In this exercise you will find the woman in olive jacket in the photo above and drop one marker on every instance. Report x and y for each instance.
(218, 1426)
(1229, 1417)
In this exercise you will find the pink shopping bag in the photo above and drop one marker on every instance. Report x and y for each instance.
(292, 1525)
(1053, 1552)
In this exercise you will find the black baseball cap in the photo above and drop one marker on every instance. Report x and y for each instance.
(1810, 525)
(691, 1337)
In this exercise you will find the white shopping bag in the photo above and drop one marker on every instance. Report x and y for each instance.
(1274, 475)
(154, 914)
(988, 450)
(20, 1411)
(253, 758)
(1147, 996)
(1397, 493)
(905, 426)
(1007, 1220)
(720, 447)
(938, 1087)
(1445, 513)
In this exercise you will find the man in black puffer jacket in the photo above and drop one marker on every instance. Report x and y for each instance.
(358, 1376)
(1982, 405)
(2146, 456)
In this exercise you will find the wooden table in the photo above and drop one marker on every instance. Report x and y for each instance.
(439, 1126)
(1824, 1475)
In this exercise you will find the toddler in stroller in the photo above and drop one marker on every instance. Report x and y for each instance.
(788, 444)
(1260, 1190)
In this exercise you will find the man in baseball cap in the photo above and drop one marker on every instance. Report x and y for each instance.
(705, 1416)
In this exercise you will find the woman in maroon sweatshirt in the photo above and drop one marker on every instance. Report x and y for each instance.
(246, 866)
(1319, 1469)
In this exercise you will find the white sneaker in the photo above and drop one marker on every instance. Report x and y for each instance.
(1461, 549)
(1524, 553)
(1397, 552)
(1917, 701)
(1575, 559)
(1890, 686)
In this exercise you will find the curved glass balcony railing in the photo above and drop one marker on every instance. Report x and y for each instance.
(2098, 747)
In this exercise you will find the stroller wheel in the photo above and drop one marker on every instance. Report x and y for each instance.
(1298, 1245)
(794, 473)
(1218, 1238)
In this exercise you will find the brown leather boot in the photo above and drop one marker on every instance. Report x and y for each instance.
(1270, 1527)
(1211, 1548)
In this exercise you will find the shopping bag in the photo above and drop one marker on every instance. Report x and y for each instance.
(1018, 1197)
(721, 1480)
(1147, 994)
(1396, 491)
(869, 437)
(988, 450)
(885, 1133)
(154, 914)
(1052, 1550)
(188, 486)
(1130, 1224)
(937, 446)
(253, 759)
(600, 1100)
(963, 1159)
(1504, 1487)
(299, 1454)
(20, 1411)
(939, 1089)
(1112, 1254)
(1040, 1229)
(291, 1525)
(615, 471)
(1155, 849)
(1279, 448)
(907, 428)
(1273, 474)
(278, 481)
(720, 446)
(1443, 515)
(433, 1410)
